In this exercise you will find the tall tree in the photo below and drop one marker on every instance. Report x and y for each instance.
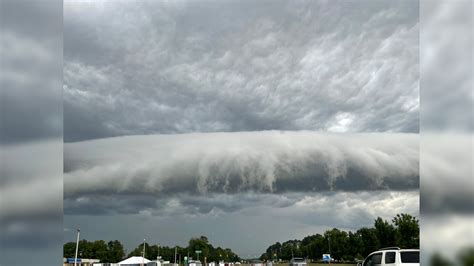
(466, 256)
(337, 243)
(369, 241)
(69, 250)
(407, 231)
(115, 251)
(385, 233)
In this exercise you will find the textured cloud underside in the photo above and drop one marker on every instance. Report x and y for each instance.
(269, 162)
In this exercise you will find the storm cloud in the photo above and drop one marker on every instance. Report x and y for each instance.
(31, 132)
(144, 170)
(247, 220)
(181, 67)
(216, 118)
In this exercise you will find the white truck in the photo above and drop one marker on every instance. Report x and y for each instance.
(393, 256)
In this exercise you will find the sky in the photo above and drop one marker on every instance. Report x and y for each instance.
(249, 122)
(31, 144)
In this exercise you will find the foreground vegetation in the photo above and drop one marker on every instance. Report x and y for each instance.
(465, 257)
(403, 232)
(113, 251)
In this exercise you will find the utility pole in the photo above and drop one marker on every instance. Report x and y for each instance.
(77, 246)
(143, 258)
(175, 250)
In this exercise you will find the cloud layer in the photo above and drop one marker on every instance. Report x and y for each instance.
(245, 222)
(247, 161)
(31, 208)
(139, 170)
(180, 67)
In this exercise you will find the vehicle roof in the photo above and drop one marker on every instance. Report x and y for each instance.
(394, 250)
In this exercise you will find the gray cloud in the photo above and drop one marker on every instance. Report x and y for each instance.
(232, 162)
(446, 162)
(446, 65)
(446, 158)
(175, 67)
(31, 75)
(31, 132)
(118, 174)
(248, 221)
(30, 201)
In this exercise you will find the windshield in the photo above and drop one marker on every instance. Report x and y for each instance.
(410, 256)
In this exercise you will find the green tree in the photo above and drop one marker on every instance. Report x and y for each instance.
(369, 241)
(407, 231)
(438, 260)
(69, 250)
(385, 233)
(138, 251)
(115, 251)
(202, 244)
(337, 243)
(354, 244)
(99, 250)
(466, 256)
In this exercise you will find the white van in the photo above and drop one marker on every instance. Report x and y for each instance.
(393, 257)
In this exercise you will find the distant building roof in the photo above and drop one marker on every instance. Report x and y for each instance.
(134, 260)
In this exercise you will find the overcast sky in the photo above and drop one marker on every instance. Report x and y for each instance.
(280, 116)
(31, 132)
(212, 66)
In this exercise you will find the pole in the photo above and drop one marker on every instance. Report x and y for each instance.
(77, 246)
(143, 258)
(329, 241)
(175, 255)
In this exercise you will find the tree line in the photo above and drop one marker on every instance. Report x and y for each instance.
(464, 257)
(114, 251)
(403, 232)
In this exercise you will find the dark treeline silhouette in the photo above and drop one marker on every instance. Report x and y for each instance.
(402, 232)
(114, 251)
(209, 252)
(107, 252)
(465, 257)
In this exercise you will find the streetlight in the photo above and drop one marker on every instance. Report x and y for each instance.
(77, 246)
(143, 258)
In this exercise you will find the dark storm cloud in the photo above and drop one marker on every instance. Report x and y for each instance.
(179, 67)
(446, 147)
(247, 222)
(173, 205)
(31, 190)
(218, 203)
(446, 162)
(120, 174)
(30, 80)
(30, 132)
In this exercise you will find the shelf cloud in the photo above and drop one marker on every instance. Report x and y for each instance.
(143, 169)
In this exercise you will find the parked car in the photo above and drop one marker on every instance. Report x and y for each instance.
(194, 263)
(393, 256)
(256, 263)
(298, 262)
